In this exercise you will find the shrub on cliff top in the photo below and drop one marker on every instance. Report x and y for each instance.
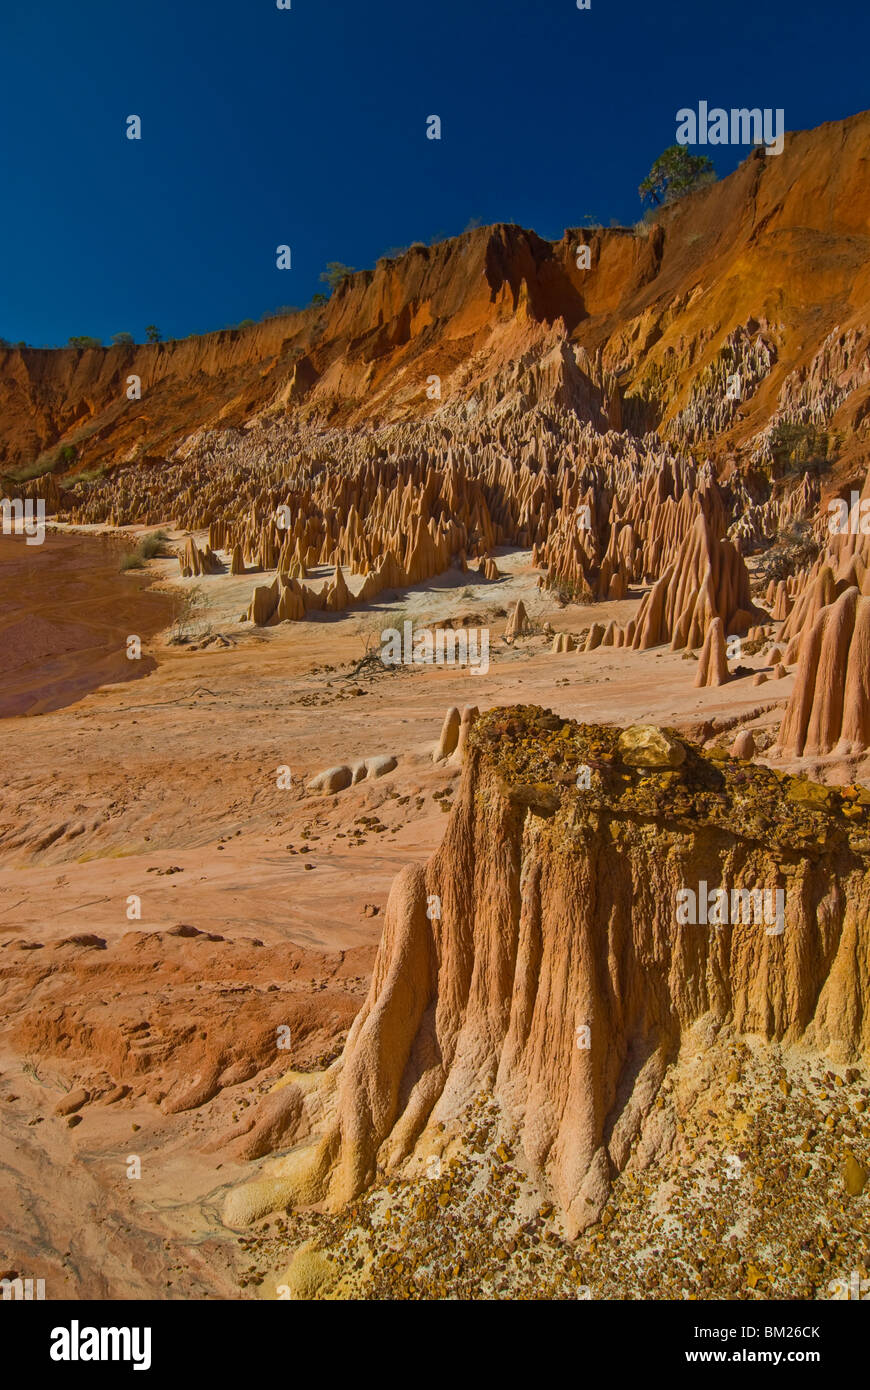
(336, 273)
(676, 173)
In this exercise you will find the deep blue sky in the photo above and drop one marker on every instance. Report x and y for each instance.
(307, 127)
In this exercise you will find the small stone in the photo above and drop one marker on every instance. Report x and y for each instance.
(644, 745)
(854, 1176)
(808, 792)
(74, 1100)
(117, 1093)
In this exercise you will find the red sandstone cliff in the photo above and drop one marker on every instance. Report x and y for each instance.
(779, 248)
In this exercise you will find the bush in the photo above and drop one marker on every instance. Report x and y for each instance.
(90, 475)
(82, 340)
(794, 548)
(186, 627)
(800, 448)
(149, 548)
(336, 273)
(565, 591)
(676, 173)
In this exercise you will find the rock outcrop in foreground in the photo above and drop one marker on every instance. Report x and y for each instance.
(538, 958)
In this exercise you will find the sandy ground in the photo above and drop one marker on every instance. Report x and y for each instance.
(64, 617)
(259, 906)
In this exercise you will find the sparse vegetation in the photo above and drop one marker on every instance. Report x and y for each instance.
(283, 311)
(567, 591)
(150, 547)
(794, 548)
(186, 627)
(674, 174)
(799, 448)
(83, 340)
(28, 471)
(153, 545)
(90, 475)
(335, 274)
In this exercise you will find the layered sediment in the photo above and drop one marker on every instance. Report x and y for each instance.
(538, 960)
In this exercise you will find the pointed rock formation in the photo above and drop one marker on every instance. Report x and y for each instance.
(291, 605)
(469, 717)
(781, 602)
(518, 622)
(713, 663)
(548, 893)
(449, 739)
(264, 602)
(708, 579)
(829, 709)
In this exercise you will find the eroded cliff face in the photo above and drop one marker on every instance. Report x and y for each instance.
(779, 248)
(540, 960)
